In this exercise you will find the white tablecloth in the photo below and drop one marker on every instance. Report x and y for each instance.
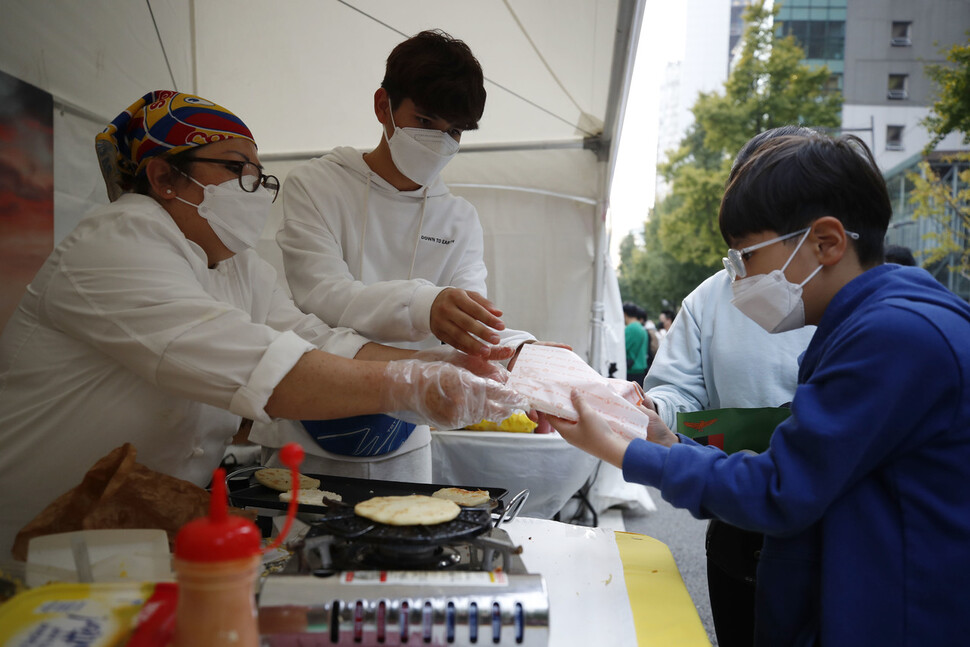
(588, 600)
(545, 464)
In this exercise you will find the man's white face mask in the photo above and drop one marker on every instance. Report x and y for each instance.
(420, 153)
(236, 216)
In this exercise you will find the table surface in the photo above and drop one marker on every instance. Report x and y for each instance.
(606, 587)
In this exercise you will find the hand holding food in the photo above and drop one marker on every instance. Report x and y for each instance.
(444, 395)
(459, 316)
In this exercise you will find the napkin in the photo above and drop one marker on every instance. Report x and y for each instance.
(547, 375)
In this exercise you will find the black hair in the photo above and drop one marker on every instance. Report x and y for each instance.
(755, 142)
(439, 74)
(792, 180)
(631, 309)
(899, 255)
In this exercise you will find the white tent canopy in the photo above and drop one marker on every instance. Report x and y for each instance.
(302, 73)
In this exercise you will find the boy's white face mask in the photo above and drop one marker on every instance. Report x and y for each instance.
(236, 216)
(420, 153)
(771, 300)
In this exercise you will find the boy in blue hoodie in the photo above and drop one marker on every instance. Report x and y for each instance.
(861, 492)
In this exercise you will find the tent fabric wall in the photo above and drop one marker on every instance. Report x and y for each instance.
(302, 75)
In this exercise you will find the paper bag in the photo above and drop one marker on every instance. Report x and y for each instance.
(118, 492)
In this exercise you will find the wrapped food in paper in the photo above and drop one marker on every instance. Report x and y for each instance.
(547, 376)
(517, 422)
(118, 492)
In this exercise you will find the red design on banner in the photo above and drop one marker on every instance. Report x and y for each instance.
(700, 425)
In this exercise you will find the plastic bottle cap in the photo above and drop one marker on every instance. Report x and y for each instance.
(220, 536)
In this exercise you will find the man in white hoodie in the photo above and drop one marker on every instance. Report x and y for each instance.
(377, 243)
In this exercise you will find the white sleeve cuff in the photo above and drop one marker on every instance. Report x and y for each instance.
(281, 356)
(420, 307)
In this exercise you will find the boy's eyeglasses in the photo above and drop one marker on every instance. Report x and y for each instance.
(251, 177)
(734, 261)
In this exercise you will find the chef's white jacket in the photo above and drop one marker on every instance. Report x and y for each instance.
(126, 335)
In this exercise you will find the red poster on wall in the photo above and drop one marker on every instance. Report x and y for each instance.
(26, 187)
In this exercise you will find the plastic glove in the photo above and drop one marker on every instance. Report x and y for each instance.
(443, 395)
(480, 365)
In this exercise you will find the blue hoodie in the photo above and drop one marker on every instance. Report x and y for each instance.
(861, 494)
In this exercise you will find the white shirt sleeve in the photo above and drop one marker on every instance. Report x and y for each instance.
(675, 381)
(138, 298)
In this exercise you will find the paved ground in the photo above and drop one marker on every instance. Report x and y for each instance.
(684, 535)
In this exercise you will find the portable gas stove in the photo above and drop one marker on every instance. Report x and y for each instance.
(353, 581)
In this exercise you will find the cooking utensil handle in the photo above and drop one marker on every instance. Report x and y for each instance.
(512, 509)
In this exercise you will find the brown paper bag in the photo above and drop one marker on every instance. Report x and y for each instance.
(118, 492)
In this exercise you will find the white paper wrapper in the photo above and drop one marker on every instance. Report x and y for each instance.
(547, 376)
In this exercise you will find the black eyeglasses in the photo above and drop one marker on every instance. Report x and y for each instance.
(250, 178)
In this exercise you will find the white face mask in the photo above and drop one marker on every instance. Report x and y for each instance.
(771, 300)
(236, 216)
(420, 153)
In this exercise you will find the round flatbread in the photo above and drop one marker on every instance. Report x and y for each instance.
(463, 497)
(413, 510)
(278, 478)
(311, 497)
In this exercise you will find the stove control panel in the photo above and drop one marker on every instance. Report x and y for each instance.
(405, 608)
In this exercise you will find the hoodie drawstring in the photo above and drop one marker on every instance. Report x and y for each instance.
(363, 231)
(417, 238)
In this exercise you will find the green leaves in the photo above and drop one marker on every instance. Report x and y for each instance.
(768, 87)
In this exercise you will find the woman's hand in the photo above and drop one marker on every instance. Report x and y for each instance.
(481, 365)
(443, 395)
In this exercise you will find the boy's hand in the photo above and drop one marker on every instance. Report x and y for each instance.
(458, 314)
(591, 433)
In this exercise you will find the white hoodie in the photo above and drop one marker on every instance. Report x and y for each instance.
(359, 253)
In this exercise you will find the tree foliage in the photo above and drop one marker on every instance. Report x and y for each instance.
(951, 111)
(768, 87)
(935, 193)
(948, 204)
(649, 277)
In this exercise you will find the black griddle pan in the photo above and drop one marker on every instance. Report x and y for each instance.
(352, 490)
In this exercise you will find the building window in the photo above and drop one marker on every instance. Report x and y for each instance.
(900, 34)
(898, 86)
(894, 138)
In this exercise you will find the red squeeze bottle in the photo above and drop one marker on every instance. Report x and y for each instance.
(217, 560)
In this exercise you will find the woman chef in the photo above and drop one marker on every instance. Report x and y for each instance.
(154, 322)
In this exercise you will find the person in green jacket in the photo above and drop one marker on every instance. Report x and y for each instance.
(636, 344)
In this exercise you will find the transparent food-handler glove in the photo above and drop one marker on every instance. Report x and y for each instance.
(443, 395)
(481, 365)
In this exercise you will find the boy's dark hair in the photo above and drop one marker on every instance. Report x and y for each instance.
(631, 309)
(900, 255)
(439, 74)
(790, 181)
(755, 142)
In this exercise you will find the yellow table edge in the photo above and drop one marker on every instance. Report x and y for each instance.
(663, 613)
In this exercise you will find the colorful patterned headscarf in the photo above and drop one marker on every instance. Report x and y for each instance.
(161, 122)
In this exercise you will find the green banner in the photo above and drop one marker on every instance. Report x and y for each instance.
(732, 429)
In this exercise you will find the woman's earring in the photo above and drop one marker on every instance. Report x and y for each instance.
(168, 190)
